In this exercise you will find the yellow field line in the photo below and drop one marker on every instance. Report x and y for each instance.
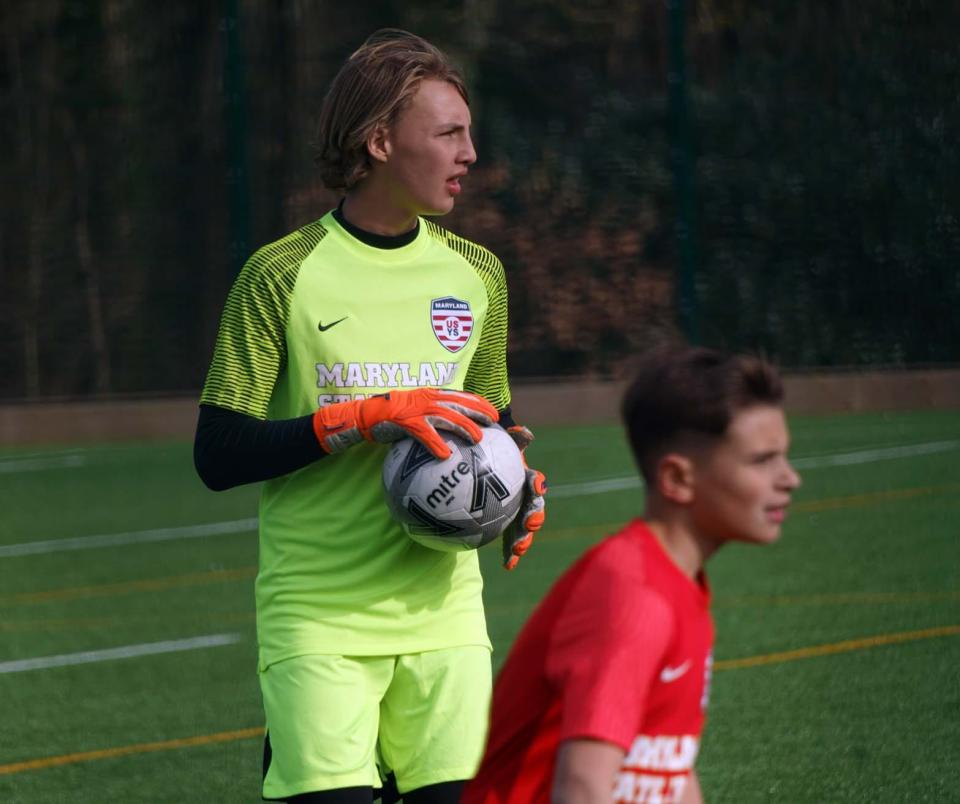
(859, 500)
(64, 623)
(240, 573)
(12, 626)
(257, 731)
(802, 507)
(140, 748)
(145, 585)
(837, 647)
(832, 598)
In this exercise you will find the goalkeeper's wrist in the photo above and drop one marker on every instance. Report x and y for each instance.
(337, 426)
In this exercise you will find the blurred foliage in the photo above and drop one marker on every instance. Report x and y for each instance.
(824, 152)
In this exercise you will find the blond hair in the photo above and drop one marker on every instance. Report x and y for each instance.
(371, 89)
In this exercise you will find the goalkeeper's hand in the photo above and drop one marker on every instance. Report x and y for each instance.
(518, 537)
(418, 414)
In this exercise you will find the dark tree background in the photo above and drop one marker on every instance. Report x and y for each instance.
(147, 148)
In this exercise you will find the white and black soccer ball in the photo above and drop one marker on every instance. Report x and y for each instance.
(461, 503)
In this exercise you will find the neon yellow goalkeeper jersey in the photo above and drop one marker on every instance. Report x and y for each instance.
(320, 317)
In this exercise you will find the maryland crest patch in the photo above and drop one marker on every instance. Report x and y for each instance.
(452, 322)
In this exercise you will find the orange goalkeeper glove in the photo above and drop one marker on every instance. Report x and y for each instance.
(399, 414)
(518, 537)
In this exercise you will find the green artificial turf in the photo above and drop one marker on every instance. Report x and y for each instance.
(870, 550)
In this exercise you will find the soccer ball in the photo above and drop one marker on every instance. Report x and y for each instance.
(461, 503)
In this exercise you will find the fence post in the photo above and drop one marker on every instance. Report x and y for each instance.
(685, 288)
(235, 110)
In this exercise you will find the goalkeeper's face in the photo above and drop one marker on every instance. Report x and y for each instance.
(428, 150)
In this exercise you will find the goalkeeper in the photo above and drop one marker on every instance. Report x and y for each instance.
(366, 326)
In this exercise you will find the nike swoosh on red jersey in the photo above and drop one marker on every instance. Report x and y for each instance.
(669, 674)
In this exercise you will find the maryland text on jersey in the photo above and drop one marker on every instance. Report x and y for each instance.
(656, 769)
(380, 375)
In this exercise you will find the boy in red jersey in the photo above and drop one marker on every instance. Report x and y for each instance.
(603, 695)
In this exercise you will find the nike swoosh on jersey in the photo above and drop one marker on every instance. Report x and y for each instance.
(669, 674)
(322, 328)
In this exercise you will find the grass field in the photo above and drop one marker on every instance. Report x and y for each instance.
(837, 659)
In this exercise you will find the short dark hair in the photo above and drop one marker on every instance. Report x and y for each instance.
(371, 89)
(683, 391)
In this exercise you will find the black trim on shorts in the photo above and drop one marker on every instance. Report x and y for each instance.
(441, 793)
(388, 794)
(342, 795)
(267, 754)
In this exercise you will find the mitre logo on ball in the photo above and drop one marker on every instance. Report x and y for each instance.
(460, 503)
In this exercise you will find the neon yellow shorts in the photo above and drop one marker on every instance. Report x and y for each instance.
(341, 721)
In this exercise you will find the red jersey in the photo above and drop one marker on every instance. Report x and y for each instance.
(620, 651)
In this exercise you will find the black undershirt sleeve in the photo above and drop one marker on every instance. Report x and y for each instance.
(232, 448)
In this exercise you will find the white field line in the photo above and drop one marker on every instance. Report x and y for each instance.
(124, 652)
(879, 454)
(53, 459)
(132, 537)
(594, 487)
(9, 466)
(564, 490)
(813, 462)
(45, 453)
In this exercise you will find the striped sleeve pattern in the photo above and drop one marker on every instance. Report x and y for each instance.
(487, 374)
(251, 350)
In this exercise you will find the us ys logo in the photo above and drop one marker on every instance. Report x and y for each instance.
(452, 322)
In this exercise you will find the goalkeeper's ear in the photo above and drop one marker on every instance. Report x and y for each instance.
(378, 144)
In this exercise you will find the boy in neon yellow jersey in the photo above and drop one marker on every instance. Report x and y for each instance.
(366, 326)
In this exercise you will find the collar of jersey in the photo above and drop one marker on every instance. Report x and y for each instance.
(699, 586)
(406, 253)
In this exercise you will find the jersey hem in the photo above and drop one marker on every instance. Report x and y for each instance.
(264, 662)
(596, 735)
(281, 791)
